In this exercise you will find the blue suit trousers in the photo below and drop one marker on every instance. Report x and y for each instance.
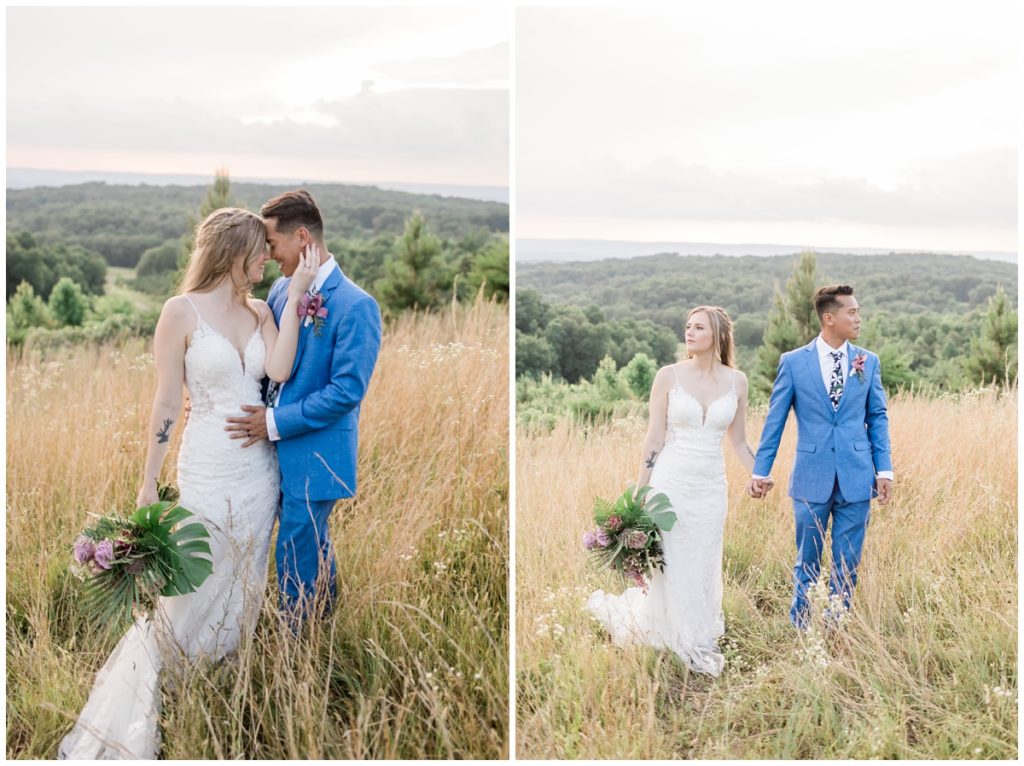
(849, 524)
(304, 554)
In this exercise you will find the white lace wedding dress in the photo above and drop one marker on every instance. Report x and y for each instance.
(234, 492)
(682, 609)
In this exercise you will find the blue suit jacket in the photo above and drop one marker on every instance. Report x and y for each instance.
(317, 414)
(851, 443)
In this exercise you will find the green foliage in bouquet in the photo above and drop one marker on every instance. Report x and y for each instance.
(127, 563)
(628, 533)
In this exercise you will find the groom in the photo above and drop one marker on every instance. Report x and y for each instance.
(842, 450)
(314, 417)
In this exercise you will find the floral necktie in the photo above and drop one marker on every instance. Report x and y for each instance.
(835, 384)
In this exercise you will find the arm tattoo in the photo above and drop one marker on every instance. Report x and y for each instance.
(751, 452)
(164, 433)
(651, 459)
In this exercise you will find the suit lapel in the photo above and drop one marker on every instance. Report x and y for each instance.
(848, 381)
(305, 332)
(814, 372)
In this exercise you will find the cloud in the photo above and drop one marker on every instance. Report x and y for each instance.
(450, 130)
(471, 68)
(969, 189)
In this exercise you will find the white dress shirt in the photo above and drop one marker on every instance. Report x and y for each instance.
(318, 282)
(827, 364)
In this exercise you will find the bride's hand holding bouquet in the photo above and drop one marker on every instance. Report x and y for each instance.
(627, 535)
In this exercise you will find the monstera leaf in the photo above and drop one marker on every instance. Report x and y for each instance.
(182, 554)
(659, 510)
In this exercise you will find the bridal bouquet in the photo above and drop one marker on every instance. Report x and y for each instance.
(628, 534)
(127, 563)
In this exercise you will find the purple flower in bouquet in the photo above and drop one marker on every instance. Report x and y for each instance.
(602, 538)
(590, 540)
(104, 556)
(636, 539)
(84, 549)
(614, 523)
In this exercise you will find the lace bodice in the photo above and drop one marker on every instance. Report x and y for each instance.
(689, 423)
(218, 378)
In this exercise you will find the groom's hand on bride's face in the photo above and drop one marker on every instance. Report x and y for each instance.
(884, 488)
(252, 427)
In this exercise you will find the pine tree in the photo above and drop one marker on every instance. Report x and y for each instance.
(993, 356)
(67, 303)
(800, 297)
(217, 196)
(414, 273)
(792, 322)
(26, 309)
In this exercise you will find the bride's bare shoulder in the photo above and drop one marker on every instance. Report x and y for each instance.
(178, 309)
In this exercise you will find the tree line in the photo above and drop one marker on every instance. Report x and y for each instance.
(55, 292)
(579, 359)
(121, 222)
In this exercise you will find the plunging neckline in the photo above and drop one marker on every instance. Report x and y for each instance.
(704, 412)
(240, 354)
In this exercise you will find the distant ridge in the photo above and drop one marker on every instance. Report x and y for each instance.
(561, 250)
(28, 178)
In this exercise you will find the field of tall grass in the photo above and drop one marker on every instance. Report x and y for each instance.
(413, 661)
(925, 667)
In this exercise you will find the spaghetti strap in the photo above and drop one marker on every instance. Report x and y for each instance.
(735, 375)
(676, 374)
(190, 303)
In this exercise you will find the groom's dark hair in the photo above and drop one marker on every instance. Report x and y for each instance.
(825, 298)
(294, 209)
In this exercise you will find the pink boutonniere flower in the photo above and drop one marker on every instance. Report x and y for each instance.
(312, 311)
(858, 366)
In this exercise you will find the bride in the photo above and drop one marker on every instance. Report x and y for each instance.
(220, 342)
(693, 405)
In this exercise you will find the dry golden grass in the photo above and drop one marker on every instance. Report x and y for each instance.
(926, 667)
(413, 661)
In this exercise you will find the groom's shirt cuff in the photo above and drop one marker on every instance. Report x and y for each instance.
(272, 433)
(884, 475)
(755, 476)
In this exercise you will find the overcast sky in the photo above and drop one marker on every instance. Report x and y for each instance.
(811, 123)
(344, 94)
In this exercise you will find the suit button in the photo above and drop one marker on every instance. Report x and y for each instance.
(833, 449)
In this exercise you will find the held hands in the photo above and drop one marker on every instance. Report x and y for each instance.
(884, 488)
(305, 272)
(758, 488)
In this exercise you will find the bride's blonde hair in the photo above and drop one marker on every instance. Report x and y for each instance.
(223, 236)
(721, 331)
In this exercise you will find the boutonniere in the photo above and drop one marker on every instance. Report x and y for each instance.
(311, 310)
(858, 366)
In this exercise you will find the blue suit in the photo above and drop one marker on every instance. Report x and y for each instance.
(838, 452)
(317, 416)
